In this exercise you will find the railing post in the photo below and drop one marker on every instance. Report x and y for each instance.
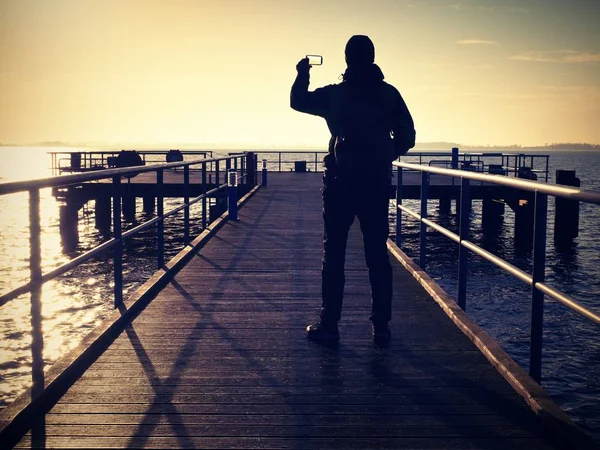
(538, 276)
(35, 253)
(464, 223)
(160, 226)
(279, 161)
(243, 171)
(398, 203)
(217, 173)
(455, 157)
(232, 190)
(264, 172)
(204, 198)
(118, 248)
(35, 268)
(423, 227)
(186, 201)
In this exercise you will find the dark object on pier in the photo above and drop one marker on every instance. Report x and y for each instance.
(76, 160)
(129, 158)
(299, 166)
(174, 156)
(566, 216)
(496, 169)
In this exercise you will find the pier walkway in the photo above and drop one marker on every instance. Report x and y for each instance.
(219, 359)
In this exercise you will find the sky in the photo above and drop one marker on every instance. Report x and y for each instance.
(217, 73)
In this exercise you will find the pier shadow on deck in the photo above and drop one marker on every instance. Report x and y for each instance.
(219, 359)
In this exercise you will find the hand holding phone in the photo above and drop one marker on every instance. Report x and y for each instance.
(315, 60)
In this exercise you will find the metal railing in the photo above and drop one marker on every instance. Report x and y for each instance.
(37, 278)
(488, 162)
(536, 278)
(315, 162)
(82, 161)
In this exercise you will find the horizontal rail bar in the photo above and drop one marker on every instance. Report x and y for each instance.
(64, 180)
(208, 194)
(144, 226)
(513, 270)
(23, 289)
(572, 193)
(455, 237)
(560, 297)
(141, 152)
(569, 302)
(215, 190)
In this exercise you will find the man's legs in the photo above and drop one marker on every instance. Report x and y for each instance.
(338, 216)
(373, 216)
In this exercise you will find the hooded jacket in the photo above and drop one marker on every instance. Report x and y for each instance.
(362, 104)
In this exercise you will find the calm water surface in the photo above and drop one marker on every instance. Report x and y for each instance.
(75, 303)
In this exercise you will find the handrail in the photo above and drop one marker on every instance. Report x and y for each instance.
(11, 187)
(89, 157)
(536, 279)
(517, 159)
(236, 162)
(558, 190)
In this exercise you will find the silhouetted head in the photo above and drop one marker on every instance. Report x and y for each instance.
(360, 51)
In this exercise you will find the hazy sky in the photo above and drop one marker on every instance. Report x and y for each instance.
(219, 72)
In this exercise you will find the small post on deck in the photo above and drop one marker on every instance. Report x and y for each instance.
(118, 248)
(465, 212)
(423, 227)
(264, 172)
(538, 276)
(232, 185)
(398, 203)
(160, 226)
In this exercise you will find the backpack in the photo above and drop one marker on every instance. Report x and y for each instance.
(363, 146)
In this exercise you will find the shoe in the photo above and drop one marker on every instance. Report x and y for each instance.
(323, 332)
(381, 333)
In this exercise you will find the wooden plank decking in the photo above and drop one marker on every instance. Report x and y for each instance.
(220, 359)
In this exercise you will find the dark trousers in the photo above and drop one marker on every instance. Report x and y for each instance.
(342, 201)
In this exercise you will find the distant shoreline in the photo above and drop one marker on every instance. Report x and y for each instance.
(420, 147)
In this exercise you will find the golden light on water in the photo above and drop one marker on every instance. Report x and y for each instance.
(66, 308)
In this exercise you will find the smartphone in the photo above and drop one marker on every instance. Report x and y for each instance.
(315, 60)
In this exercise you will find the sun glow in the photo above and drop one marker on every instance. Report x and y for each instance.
(218, 74)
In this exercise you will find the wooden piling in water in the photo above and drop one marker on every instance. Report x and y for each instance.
(102, 213)
(128, 202)
(444, 205)
(149, 204)
(566, 212)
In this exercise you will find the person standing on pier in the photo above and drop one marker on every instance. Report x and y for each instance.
(370, 126)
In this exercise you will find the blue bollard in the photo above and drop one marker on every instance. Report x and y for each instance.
(264, 172)
(232, 194)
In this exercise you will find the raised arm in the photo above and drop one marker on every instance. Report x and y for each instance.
(316, 102)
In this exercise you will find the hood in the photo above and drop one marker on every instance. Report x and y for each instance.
(363, 75)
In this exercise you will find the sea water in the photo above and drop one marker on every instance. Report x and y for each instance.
(75, 303)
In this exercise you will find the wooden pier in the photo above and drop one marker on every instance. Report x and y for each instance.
(219, 358)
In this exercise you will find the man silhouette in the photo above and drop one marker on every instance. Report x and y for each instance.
(370, 126)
